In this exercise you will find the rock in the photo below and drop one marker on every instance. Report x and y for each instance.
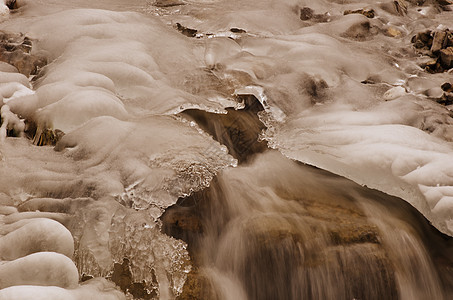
(15, 50)
(186, 31)
(432, 66)
(423, 40)
(446, 57)
(168, 3)
(358, 27)
(395, 7)
(393, 32)
(446, 99)
(416, 2)
(367, 13)
(306, 13)
(238, 130)
(12, 4)
(198, 286)
(447, 87)
(44, 137)
(237, 30)
(122, 277)
(449, 39)
(439, 41)
(444, 2)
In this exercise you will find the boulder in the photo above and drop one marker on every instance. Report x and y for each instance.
(446, 57)
(439, 41)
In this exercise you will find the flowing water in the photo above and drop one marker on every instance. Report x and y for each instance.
(213, 149)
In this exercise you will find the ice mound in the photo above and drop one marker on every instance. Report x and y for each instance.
(36, 254)
(108, 63)
(94, 289)
(155, 159)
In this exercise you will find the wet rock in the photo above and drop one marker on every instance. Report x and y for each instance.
(416, 2)
(198, 287)
(397, 7)
(446, 57)
(283, 250)
(367, 13)
(307, 14)
(444, 2)
(183, 223)
(439, 46)
(237, 30)
(186, 31)
(445, 99)
(15, 50)
(439, 41)
(122, 277)
(423, 40)
(393, 32)
(277, 248)
(432, 66)
(238, 130)
(12, 4)
(447, 87)
(449, 38)
(47, 137)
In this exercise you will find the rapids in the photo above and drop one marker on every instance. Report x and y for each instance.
(214, 149)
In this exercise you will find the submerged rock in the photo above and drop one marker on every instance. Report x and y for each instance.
(15, 50)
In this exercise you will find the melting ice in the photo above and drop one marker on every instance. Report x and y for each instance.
(344, 93)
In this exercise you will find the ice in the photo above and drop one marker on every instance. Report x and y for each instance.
(160, 157)
(330, 80)
(48, 234)
(4, 10)
(42, 268)
(93, 289)
(79, 107)
(378, 149)
(116, 77)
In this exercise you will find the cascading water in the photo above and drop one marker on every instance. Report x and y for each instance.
(275, 229)
(135, 149)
